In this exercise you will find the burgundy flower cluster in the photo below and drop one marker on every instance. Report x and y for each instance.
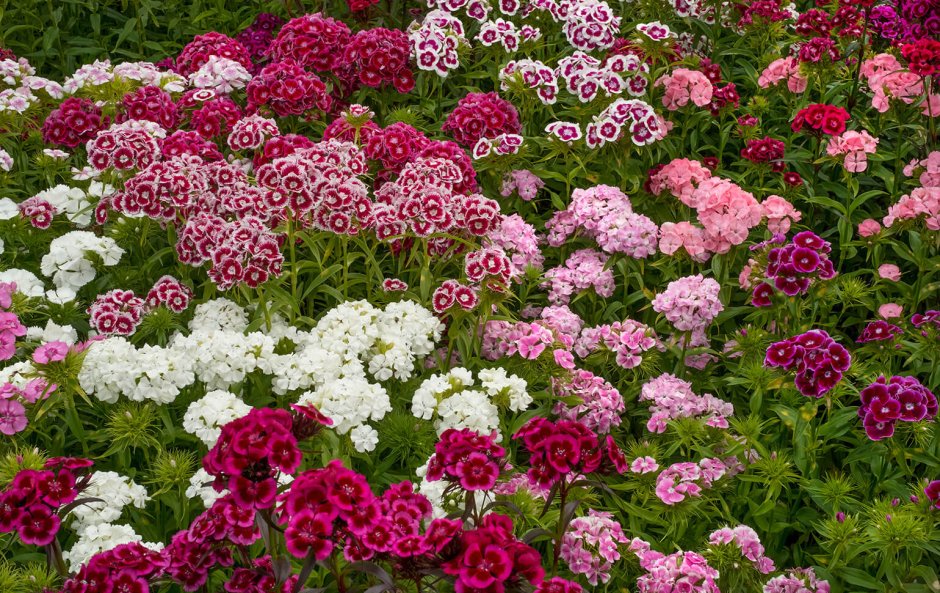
(210, 117)
(126, 568)
(819, 49)
(258, 36)
(170, 293)
(887, 401)
(150, 103)
(287, 89)
(314, 41)
(906, 20)
(819, 361)
(566, 447)
(481, 115)
(74, 122)
(381, 56)
(794, 266)
(468, 458)
(30, 504)
(820, 118)
(923, 56)
(765, 150)
(183, 142)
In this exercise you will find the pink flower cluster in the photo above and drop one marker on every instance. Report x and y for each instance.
(928, 169)
(481, 115)
(30, 504)
(116, 312)
(582, 270)
(797, 580)
(452, 293)
(604, 213)
(627, 339)
(683, 86)
(680, 571)
(745, 539)
(528, 340)
(855, 147)
(501, 145)
(171, 293)
(523, 182)
(888, 79)
(149, 103)
(10, 326)
(921, 202)
(381, 57)
(286, 88)
(499, 31)
(589, 546)
(198, 51)
(819, 361)
(787, 69)
(690, 304)
(313, 41)
(467, 458)
(123, 147)
(591, 25)
(673, 398)
(251, 133)
(73, 122)
(38, 212)
(519, 243)
(794, 267)
(600, 404)
(887, 401)
(565, 448)
(681, 480)
(435, 41)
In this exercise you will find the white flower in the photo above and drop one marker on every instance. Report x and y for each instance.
(8, 209)
(201, 485)
(114, 492)
(53, 332)
(94, 539)
(66, 262)
(503, 388)
(206, 417)
(71, 201)
(26, 282)
(364, 438)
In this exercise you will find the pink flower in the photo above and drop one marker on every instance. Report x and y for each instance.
(869, 227)
(531, 346)
(50, 352)
(780, 214)
(890, 310)
(683, 86)
(563, 358)
(12, 416)
(889, 272)
(783, 69)
(644, 465)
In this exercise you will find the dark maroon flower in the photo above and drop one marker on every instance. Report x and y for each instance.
(762, 294)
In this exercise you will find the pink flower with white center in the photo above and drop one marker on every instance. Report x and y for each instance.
(50, 352)
(627, 339)
(643, 465)
(394, 285)
(655, 30)
(747, 541)
(566, 132)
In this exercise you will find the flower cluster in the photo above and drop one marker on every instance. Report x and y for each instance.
(797, 580)
(287, 89)
(627, 339)
(684, 86)
(74, 122)
(30, 504)
(381, 56)
(794, 267)
(687, 479)
(481, 115)
(566, 448)
(690, 304)
(819, 361)
(746, 540)
(583, 269)
(313, 41)
(887, 401)
(855, 148)
(640, 120)
(589, 546)
(673, 399)
(820, 118)
(599, 405)
(533, 75)
(435, 41)
(679, 571)
(468, 458)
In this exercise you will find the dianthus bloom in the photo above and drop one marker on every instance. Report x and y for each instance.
(74, 122)
(821, 119)
(683, 86)
(746, 540)
(679, 571)
(879, 331)
(381, 57)
(589, 545)
(313, 41)
(797, 580)
(30, 504)
(681, 480)
(855, 146)
(198, 51)
(287, 89)
(150, 103)
(600, 407)
(566, 447)
(923, 56)
(673, 398)
(468, 458)
(523, 182)
(922, 201)
(887, 401)
(481, 115)
(819, 361)
(793, 267)
(690, 303)
(783, 69)
(583, 269)
(765, 150)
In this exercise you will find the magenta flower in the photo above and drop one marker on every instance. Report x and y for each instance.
(50, 352)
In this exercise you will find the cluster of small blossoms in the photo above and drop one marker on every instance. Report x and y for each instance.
(564, 448)
(10, 326)
(683, 86)
(765, 150)
(220, 75)
(451, 400)
(927, 169)
(640, 120)
(206, 416)
(313, 41)
(491, 558)
(528, 340)
(820, 118)
(690, 304)
(381, 57)
(435, 41)
(780, 214)
(797, 580)
(888, 80)
(70, 265)
(781, 69)
(673, 398)
(423, 201)
(252, 132)
(532, 74)
(128, 566)
(746, 540)
(481, 115)
(285, 88)
(150, 103)
(585, 76)
(687, 479)
(453, 293)
(600, 407)
(605, 214)
(679, 571)
(523, 182)
(887, 401)
(210, 115)
(819, 361)
(499, 31)
(467, 458)
(74, 122)
(627, 339)
(591, 25)
(171, 293)
(922, 202)
(38, 212)
(30, 504)
(116, 312)
(655, 30)
(500, 145)
(932, 492)
(585, 268)
(127, 146)
(201, 49)
(855, 148)
(589, 546)
(519, 243)
(794, 266)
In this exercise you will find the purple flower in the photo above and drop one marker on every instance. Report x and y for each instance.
(762, 295)
(804, 260)
(877, 431)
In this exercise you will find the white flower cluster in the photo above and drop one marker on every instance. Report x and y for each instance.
(71, 201)
(92, 521)
(101, 72)
(332, 362)
(27, 283)
(206, 417)
(221, 75)
(451, 402)
(52, 332)
(69, 266)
